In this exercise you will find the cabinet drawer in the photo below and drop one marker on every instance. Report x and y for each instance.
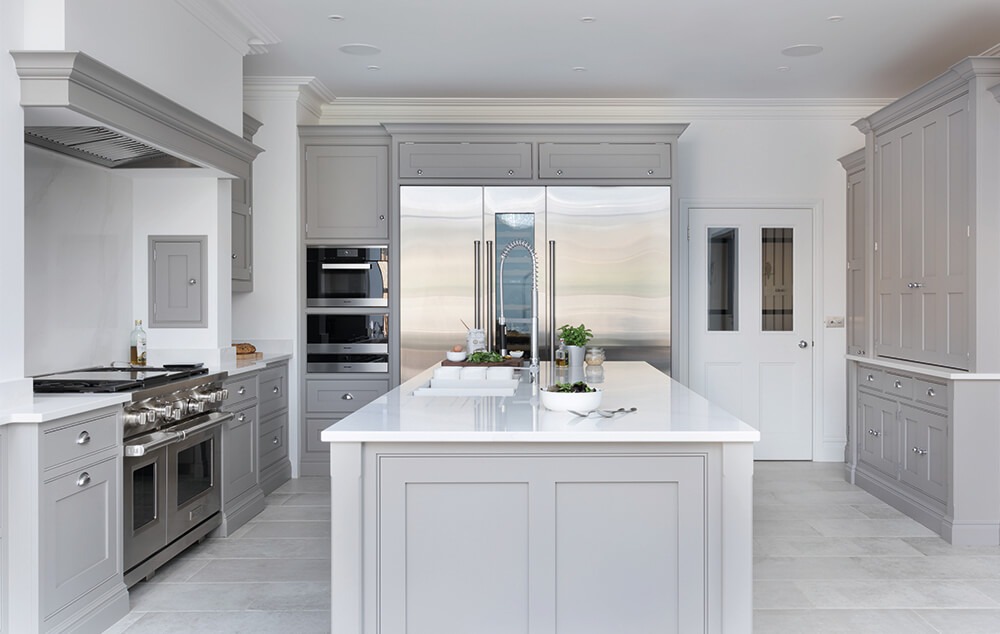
(465, 160)
(897, 385)
(273, 390)
(870, 378)
(935, 394)
(342, 396)
(273, 440)
(314, 446)
(241, 389)
(604, 160)
(69, 442)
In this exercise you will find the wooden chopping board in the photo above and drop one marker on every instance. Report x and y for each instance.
(516, 363)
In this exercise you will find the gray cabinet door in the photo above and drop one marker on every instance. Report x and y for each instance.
(925, 451)
(80, 532)
(239, 453)
(465, 160)
(177, 282)
(242, 256)
(857, 249)
(922, 226)
(273, 440)
(603, 160)
(878, 433)
(347, 191)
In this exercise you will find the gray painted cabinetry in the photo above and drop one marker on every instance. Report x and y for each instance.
(347, 191)
(328, 401)
(178, 295)
(275, 468)
(3, 533)
(242, 227)
(857, 253)
(242, 497)
(465, 160)
(604, 160)
(65, 482)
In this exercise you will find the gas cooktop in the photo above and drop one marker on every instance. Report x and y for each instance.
(114, 379)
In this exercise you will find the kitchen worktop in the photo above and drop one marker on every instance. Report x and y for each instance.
(666, 412)
(48, 407)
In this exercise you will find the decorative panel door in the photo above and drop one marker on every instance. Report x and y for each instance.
(751, 321)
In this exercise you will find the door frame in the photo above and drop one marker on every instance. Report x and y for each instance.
(681, 291)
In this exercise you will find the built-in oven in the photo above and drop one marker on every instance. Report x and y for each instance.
(351, 276)
(355, 342)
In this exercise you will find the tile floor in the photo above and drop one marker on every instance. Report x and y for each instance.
(828, 557)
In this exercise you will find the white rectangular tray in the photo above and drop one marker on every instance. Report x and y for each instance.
(469, 388)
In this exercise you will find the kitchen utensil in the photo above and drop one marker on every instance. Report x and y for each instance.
(464, 324)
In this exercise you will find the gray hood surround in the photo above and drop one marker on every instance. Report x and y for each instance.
(76, 105)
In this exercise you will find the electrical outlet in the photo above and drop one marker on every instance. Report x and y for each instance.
(834, 322)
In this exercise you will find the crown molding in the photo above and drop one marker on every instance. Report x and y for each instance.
(364, 111)
(991, 52)
(235, 24)
(308, 92)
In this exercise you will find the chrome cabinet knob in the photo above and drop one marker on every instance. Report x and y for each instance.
(348, 396)
(919, 451)
(242, 390)
(83, 480)
(83, 438)
(234, 256)
(871, 378)
(559, 172)
(420, 172)
(931, 392)
(510, 172)
(192, 281)
(650, 172)
(275, 390)
(276, 441)
(898, 384)
(242, 417)
(874, 432)
(803, 343)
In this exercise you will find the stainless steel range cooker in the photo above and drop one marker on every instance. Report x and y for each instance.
(172, 457)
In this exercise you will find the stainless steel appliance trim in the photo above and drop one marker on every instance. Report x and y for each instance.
(327, 266)
(348, 348)
(551, 290)
(375, 302)
(203, 423)
(366, 367)
(477, 284)
(490, 325)
(149, 443)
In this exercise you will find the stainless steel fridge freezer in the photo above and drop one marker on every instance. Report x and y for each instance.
(603, 258)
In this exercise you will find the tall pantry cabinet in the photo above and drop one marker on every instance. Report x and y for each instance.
(924, 300)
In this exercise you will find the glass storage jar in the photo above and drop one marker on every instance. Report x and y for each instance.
(594, 356)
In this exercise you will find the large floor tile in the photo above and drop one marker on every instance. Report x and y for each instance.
(820, 546)
(937, 547)
(287, 530)
(776, 511)
(894, 593)
(250, 548)
(962, 621)
(282, 513)
(307, 499)
(298, 621)
(903, 527)
(232, 596)
(248, 570)
(839, 622)
(810, 568)
(311, 484)
(775, 594)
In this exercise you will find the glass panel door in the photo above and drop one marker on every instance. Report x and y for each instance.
(723, 279)
(144, 496)
(194, 471)
(776, 279)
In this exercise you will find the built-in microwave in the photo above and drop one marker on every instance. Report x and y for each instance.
(347, 342)
(351, 276)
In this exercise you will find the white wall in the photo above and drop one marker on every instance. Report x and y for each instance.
(78, 262)
(161, 44)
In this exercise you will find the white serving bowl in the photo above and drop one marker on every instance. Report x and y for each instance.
(582, 402)
(517, 354)
(456, 356)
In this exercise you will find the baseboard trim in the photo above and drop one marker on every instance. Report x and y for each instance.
(930, 517)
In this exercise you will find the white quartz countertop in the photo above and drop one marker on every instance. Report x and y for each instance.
(242, 366)
(666, 412)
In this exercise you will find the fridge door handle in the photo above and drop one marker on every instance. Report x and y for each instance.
(489, 326)
(551, 290)
(477, 283)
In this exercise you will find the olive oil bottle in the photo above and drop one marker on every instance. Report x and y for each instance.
(137, 350)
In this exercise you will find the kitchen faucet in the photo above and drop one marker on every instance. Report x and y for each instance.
(502, 321)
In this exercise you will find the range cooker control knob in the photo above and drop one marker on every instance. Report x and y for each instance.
(139, 418)
(180, 409)
(195, 406)
(220, 395)
(164, 410)
(225, 393)
(209, 396)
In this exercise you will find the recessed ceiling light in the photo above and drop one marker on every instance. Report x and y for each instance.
(802, 50)
(835, 18)
(579, 69)
(784, 69)
(360, 49)
(588, 19)
(374, 67)
(335, 18)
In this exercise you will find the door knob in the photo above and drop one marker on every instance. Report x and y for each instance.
(803, 344)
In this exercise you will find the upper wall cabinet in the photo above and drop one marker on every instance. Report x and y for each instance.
(242, 238)
(603, 160)
(934, 195)
(177, 283)
(347, 191)
(465, 160)
(857, 253)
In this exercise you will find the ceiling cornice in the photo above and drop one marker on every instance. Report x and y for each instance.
(307, 92)
(361, 111)
(236, 25)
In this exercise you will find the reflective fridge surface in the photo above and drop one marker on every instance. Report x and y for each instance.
(603, 260)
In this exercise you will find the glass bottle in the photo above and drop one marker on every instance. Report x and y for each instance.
(595, 356)
(137, 350)
(562, 354)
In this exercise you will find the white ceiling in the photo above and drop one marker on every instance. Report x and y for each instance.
(633, 48)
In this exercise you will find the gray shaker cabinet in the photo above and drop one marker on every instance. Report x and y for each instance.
(328, 401)
(879, 435)
(242, 497)
(242, 227)
(924, 451)
(604, 160)
(347, 191)
(275, 468)
(178, 296)
(482, 160)
(857, 254)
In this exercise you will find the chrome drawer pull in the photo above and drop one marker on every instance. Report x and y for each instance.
(919, 452)
(242, 390)
(83, 438)
(241, 417)
(83, 480)
(348, 397)
(899, 385)
(275, 390)
(276, 441)
(871, 378)
(874, 432)
(930, 391)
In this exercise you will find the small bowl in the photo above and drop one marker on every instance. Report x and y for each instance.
(456, 356)
(582, 402)
(516, 354)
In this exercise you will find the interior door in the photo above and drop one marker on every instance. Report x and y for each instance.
(751, 321)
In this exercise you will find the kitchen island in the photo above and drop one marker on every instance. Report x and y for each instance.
(492, 514)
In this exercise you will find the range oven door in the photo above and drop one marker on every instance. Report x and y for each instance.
(145, 495)
(347, 342)
(347, 276)
(194, 471)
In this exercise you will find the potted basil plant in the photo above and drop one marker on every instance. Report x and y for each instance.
(575, 338)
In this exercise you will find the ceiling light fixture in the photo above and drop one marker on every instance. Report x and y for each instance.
(802, 50)
(360, 49)
(335, 18)
(784, 69)
(374, 67)
(835, 18)
(579, 69)
(588, 19)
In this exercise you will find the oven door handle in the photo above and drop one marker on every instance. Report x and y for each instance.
(151, 442)
(326, 266)
(205, 423)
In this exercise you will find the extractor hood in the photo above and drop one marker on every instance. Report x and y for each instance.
(78, 106)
